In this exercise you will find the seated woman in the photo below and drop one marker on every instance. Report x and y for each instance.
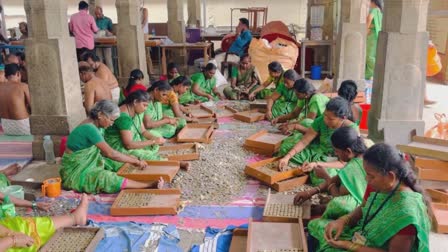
(86, 161)
(204, 85)
(163, 117)
(135, 82)
(243, 80)
(31, 233)
(348, 90)
(182, 87)
(336, 115)
(347, 188)
(172, 73)
(393, 216)
(275, 76)
(128, 134)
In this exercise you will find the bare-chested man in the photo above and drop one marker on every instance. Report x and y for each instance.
(14, 103)
(103, 72)
(95, 89)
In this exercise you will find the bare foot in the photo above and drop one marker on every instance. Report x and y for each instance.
(160, 183)
(12, 169)
(80, 213)
(185, 165)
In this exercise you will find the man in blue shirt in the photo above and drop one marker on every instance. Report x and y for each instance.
(244, 36)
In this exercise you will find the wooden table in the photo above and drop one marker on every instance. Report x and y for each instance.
(185, 47)
(219, 37)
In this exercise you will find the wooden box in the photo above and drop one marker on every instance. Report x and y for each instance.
(438, 196)
(275, 236)
(259, 104)
(146, 202)
(156, 169)
(225, 111)
(440, 217)
(264, 142)
(200, 133)
(200, 111)
(251, 116)
(74, 239)
(426, 147)
(208, 120)
(180, 152)
(239, 240)
(281, 208)
(431, 169)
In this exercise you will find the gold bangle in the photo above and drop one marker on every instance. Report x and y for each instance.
(318, 189)
(347, 219)
(354, 247)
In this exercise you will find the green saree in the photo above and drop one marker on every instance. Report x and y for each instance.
(403, 209)
(206, 86)
(353, 179)
(287, 101)
(113, 138)
(186, 98)
(243, 81)
(156, 110)
(372, 41)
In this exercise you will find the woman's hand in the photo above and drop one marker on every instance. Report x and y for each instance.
(141, 164)
(251, 96)
(301, 197)
(286, 128)
(45, 206)
(269, 115)
(334, 229)
(21, 240)
(283, 163)
(159, 141)
(308, 167)
(210, 98)
(321, 172)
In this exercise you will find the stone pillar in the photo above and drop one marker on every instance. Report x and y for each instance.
(56, 100)
(194, 13)
(176, 23)
(130, 40)
(400, 72)
(92, 5)
(351, 43)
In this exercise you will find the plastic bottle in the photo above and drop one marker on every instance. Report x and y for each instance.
(153, 31)
(49, 150)
(368, 91)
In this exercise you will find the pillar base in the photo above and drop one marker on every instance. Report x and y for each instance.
(396, 132)
(38, 147)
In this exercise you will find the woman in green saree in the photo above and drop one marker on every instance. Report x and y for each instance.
(348, 90)
(374, 23)
(393, 216)
(347, 188)
(275, 76)
(243, 80)
(89, 164)
(163, 117)
(27, 234)
(204, 85)
(308, 152)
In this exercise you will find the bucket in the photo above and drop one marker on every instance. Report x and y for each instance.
(62, 146)
(14, 191)
(365, 116)
(51, 187)
(316, 72)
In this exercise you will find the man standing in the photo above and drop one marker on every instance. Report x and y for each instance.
(95, 89)
(104, 24)
(104, 73)
(14, 103)
(83, 26)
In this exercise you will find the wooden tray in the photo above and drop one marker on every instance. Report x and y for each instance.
(426, 147)
(290, 184)
(74, 239)
(431, 169)
(275, 236)
(440, 217)
(264, 140)
(269, 176)
(259, 104)
(251, 116)
(257, 150)
(165, 169)
(225, 111)
(281, 208)
(180, 152)
(208, 120)
(200, 133)
(239, 240)
(438, 196)
(146, 202)
(200, 111)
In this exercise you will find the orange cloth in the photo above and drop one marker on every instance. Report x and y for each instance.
(434, 65)
(170, 99)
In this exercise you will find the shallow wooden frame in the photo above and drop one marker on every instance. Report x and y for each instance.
(431, 169)
(207, 120)
(426, 147)
(93, 243)
(225, 108)
(259, 104)
(204, 139)
(275, 236)
(169, 209)
(253, 144)
(275, 198)
(438, 196)
(440, 217)
(245, 115)
(193, 108)
(239, 240)
(181, 157)
(168, 173)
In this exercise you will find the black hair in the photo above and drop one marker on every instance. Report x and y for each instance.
(378, 3)
(85, 69)
(304, 87)
(133, 77)
(275, 66)
(90, 55)
(11, 69)
(348, 138)
(160, 85)
(244, 21)
(83, 5)
(139, 96)
(348, 90)
(210, 66)
(20, 55)
(181, 80)
(246, 55)
(291, 74)
(340, 108)
(171, 65)
(386, 158)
